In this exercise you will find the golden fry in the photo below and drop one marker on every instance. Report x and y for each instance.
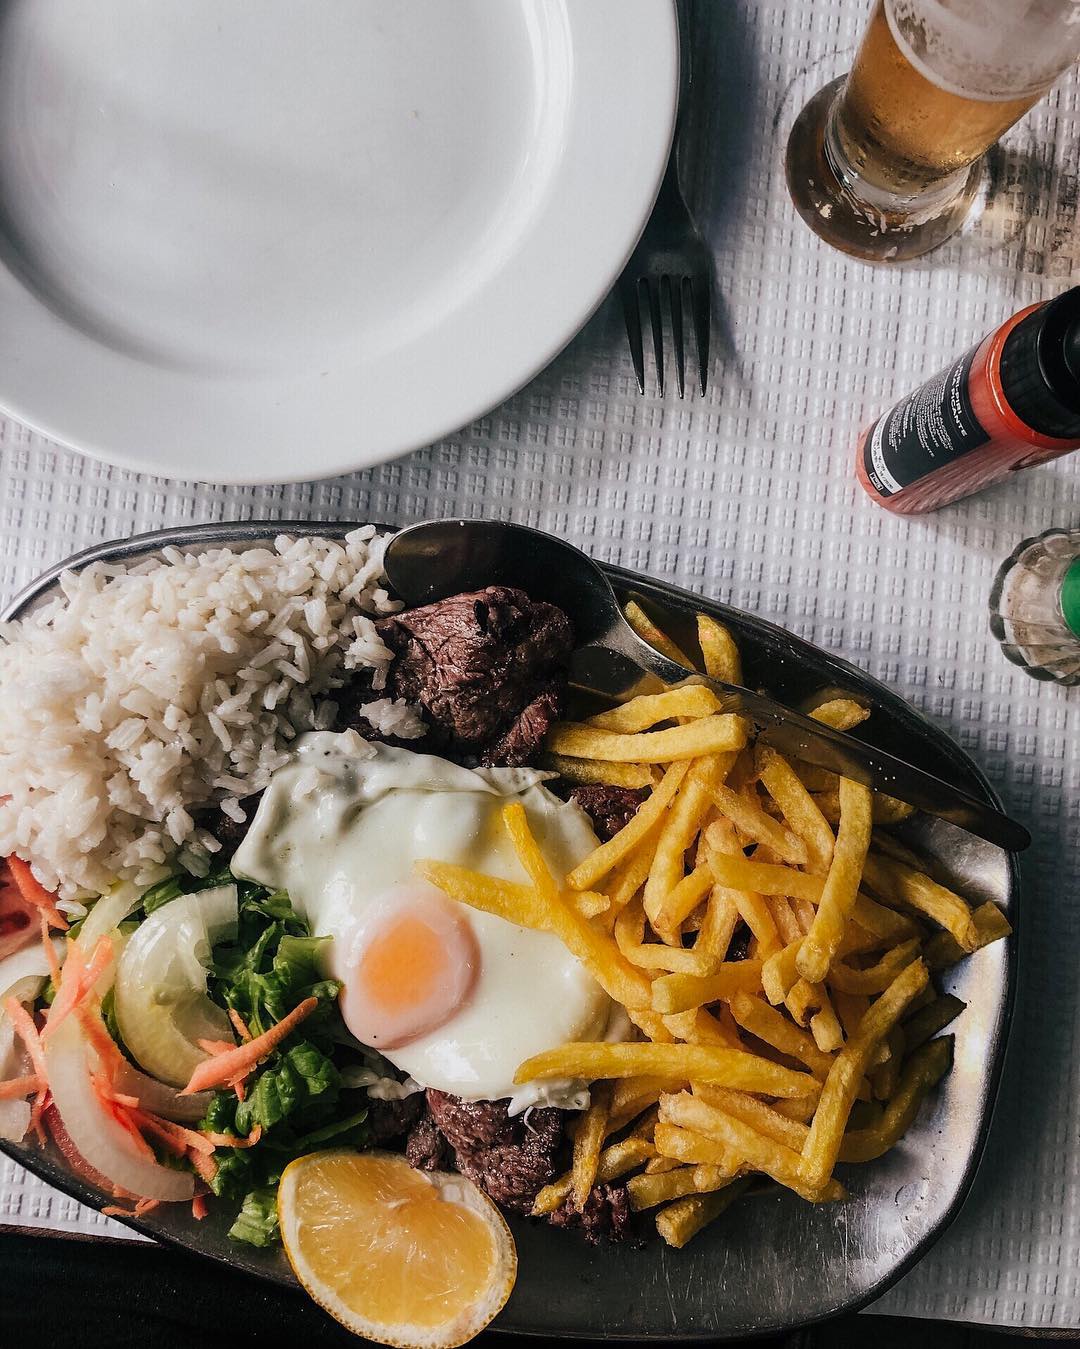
(630, 1096)
(848, 1069)
(796, 805)
(805, 1000)
(783, 915)
(630, 874)
(690, 1147)
(647, 630)
(842, 714)
(764, 1118)
(615, 1161)
(841, 885)
(597, 770)
(718, 926)
(875, 978)
(883, 809)
(759, 827)
(587, 903)
(528, 908)
(757, 1017)
(629, 936)
(928, 1020)
(698, 1027)
(751, 905)
(884, 1078)
(826, 1029)
(647, 817)
(902, 884)
(692, 700)
(762, 1153)
(646, 1191)
(738, 873)
(718, 650)
(923, 1070)
(882, 922)
(779, 973)
(708, 735)
(682, 827)
(991, 925)
(701, 1063)
(589, 1136)
(673, 909)
(682, 992)
(682, 1220)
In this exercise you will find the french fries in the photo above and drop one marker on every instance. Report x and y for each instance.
(841, 885)
(707, 735)
(686, 1217)
(704, 1063)
(812, 1043)
(588, 1140)
(693, 700)
(719, 651)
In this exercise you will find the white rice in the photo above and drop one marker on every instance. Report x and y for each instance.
(142, 695)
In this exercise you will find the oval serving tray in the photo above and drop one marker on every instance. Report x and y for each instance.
(771, 1262)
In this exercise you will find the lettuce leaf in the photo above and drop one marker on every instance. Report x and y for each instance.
(257, 1221)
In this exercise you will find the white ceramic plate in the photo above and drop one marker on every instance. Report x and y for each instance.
(266, 240)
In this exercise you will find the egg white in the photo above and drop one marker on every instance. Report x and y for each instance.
(343, 823)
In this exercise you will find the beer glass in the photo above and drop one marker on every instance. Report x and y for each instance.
(887, 162)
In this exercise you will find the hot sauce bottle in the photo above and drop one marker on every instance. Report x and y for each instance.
(1011, 402)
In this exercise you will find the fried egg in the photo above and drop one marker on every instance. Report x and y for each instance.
(454, 997)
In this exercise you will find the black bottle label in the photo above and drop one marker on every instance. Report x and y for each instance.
(925, 431)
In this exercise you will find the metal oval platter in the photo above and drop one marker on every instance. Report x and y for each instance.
(771, 1262)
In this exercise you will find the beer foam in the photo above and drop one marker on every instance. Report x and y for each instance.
(986, 49)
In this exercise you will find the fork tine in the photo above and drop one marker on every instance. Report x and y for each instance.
(631, 307)
(657, 333)
(701, 303)
(675, 305)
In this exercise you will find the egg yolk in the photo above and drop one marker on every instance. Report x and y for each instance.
(411, 968)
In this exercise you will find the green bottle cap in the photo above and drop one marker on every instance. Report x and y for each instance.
(1070, 597)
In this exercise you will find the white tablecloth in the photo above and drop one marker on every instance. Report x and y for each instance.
(748, 494)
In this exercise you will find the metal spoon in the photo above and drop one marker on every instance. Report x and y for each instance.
(430, 561)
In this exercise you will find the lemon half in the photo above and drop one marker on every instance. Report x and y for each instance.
(418, 1259)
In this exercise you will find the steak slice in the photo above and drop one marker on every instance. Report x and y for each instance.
(609, 808)
(510, 1159)
(487, 668)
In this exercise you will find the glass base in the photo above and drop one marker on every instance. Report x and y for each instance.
(858, 218)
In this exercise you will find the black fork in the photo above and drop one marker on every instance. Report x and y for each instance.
(672, 268)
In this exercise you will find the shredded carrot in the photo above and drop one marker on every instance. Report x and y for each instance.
(146, 1206)
(50, 950)
(115, 1211)
(17, 1087)
(238, 1086)
(77, 983)
(34, 892)
(239, 1026)
(175, 1136)
(28, 1033)
(199, 1207)
(216, 1047)
(205, 1167)
(108, 1051)
(224, 1068)
(235, 1140)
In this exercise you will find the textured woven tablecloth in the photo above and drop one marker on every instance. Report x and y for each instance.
(748, 494)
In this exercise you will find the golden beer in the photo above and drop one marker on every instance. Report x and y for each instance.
(885, 162)
(901, 128)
